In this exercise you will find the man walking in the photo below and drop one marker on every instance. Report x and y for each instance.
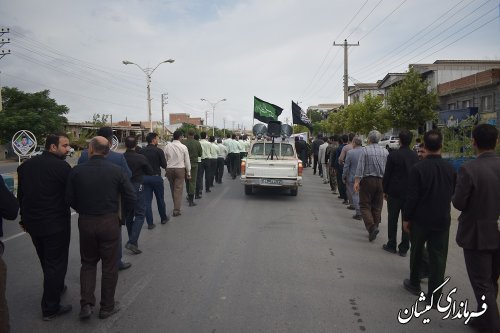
(94, 189)
(195, 152)
(212, 160)
(477, 196)
(323, 160)
(204, 166)
(426, 214)
(139, 166)
(178, 168)
(368, 182)
(315, 150)
(119, 160)
(221, 157)
(395, 184)
(349, 171)
(339, 169)
(154, 183)
(47, 217)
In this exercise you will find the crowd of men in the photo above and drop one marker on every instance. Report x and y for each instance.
(421, 186)
(107, 189)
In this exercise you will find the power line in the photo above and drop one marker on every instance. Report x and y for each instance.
(378, 4)
(383, 20)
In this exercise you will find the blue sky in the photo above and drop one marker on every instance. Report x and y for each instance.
(277, 50)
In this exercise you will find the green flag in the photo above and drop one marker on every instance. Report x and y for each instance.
(264, 111)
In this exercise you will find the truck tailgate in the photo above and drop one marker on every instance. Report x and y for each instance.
(271, 168)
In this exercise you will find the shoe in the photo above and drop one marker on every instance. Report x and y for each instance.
(413, 289)
(373, 234)
(389, 249)
(325, 182)
(339, 197)
(351, 207)
(197, 196)
(105, 314)
(63, 309)
(345, 202)
(402, 254)
(165, 220)
(151, 226)
(176, 213)
(192, 204)
(207, 190)
(133, 248)
(124, 265)
(357, 217)
(86, 311)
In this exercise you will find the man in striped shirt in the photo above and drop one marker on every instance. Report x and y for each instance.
(368, 182)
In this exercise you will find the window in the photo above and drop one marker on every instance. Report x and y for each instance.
(486, 103)
(451, 106)
(466, 104)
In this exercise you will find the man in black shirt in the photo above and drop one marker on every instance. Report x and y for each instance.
(315, 150)
(154, 183)
(427, 214)
(47, 217)
(94, 190)
(139, 166)
(395, 183)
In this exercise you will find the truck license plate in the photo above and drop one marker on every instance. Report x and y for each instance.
(272, 181)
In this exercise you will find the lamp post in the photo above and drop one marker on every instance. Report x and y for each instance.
(148, 72)
(213, 111)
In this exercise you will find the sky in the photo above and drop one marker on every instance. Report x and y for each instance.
(277, 50)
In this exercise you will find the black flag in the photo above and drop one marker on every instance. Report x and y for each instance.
(300, 117)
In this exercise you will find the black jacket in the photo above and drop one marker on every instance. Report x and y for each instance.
(41, 188)
(430, 187)
(315, 146)
(397, 170)
(156, 158)
(8, 204)
(94, 188)
(138, 164)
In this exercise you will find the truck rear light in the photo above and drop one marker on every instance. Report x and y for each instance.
(301, 168)
(243, 167)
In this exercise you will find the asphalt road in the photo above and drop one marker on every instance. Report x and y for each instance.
(267, 262)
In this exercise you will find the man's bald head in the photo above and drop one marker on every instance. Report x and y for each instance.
(99, 145)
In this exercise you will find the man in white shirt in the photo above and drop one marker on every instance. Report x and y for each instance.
(204, 165)
(322, 160)
(221, 157)
(178, 169)
(212, 161)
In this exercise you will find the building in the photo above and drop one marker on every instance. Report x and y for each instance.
(179, 118)
(359, 91)
(473, 94)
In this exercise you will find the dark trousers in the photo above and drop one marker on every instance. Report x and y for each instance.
(53, 251)
(371, 200)
(219, 171)
(437, 247)
(202, 170)
(316, 163)
(394, 207)
(191, 183)
(212, 169)
(135, 220)
(340, 184)
(483, 268)
(4, 310)
(99, 240)
(233, 158)
(154, 184)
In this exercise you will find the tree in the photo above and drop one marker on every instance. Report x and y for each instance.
(362, 117)
(411, 104)
(35, 112)
(100, 120)
(337, 122)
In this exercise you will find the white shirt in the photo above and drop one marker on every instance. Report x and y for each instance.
(177, 156)
(205, 146)
(222, 151)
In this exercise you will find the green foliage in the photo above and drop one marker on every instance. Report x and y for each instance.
(410, 102)
(457, 140)
(100, 120)
(337, 121)
(300, 129)
(367, 115)
(35, 112)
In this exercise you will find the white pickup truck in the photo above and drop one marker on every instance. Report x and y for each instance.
(268, 167)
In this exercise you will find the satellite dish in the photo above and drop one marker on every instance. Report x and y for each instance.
(286, 130)
(259, 129)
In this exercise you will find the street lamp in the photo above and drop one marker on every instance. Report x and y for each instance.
(148, 72)
(213, 111)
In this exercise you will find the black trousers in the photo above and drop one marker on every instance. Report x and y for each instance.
(212, 169)
(219, 172)
(394, 207)
(233, 159)
(316, 163)
(202, 170)
(53, 251)
(483, 268)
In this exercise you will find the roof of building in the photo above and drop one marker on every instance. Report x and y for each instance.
(474, 81)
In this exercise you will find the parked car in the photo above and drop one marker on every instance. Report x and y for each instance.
(38, 151)
(389, 142)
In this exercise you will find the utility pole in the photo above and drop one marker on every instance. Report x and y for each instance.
(3, 41)
(224, 121)
(164, 100)
(346, 75)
